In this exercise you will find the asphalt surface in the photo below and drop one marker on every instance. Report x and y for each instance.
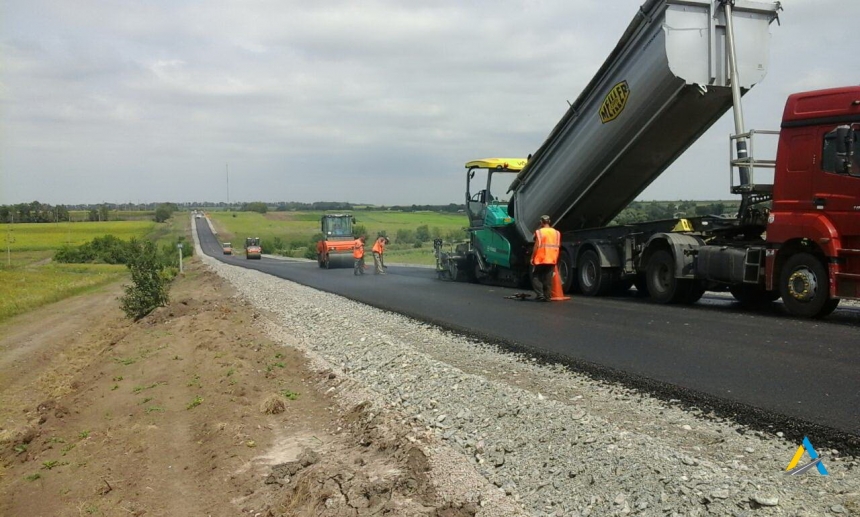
(762, 367)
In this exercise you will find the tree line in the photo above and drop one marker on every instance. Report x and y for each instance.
(36, 212)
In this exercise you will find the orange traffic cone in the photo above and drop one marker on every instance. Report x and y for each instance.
(557, 291)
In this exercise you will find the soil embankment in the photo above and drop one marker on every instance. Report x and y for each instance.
(190, 411)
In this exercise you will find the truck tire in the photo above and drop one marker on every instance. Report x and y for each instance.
(805, 287)
(663, 286)
(566, 271)
(593, 280)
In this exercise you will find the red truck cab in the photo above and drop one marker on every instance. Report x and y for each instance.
(813, 229)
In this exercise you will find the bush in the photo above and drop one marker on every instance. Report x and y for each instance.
(169, 255)
(162, 213)
(149, 282)
(404, 236)
(106, 250)
(256, 206)
(422, 233)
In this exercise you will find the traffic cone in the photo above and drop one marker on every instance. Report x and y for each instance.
(557, 290)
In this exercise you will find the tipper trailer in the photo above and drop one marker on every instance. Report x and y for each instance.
(679, 66)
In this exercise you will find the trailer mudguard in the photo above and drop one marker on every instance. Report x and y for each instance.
(680, 245)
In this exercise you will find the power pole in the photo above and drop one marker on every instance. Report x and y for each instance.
(227, 168)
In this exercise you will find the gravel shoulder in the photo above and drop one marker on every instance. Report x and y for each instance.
(552, 441)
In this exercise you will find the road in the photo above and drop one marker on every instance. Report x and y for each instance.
(761, 367)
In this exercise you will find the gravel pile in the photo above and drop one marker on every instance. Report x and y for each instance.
(556, 442)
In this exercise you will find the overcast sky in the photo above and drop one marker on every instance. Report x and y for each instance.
(364, 101)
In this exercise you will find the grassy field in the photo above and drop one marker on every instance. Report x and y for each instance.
(28, 278)
(300, 227)
(25, 288)
(50, 236)
(115, 215)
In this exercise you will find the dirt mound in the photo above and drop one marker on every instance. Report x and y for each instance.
(384, 476)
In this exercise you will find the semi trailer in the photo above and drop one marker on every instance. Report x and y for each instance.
(680, 65)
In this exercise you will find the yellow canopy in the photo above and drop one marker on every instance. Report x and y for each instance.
(510, 164)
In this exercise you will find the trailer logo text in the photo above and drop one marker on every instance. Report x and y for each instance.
(614, 102)
(792, 469)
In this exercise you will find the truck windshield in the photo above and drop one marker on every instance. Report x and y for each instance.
(338, 226)
(492, 190)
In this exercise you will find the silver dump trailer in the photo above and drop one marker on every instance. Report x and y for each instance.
(666, 82)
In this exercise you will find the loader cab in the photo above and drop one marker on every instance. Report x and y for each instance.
(337, 226)
(487, 197)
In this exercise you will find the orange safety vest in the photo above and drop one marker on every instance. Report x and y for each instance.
(379, 246)
(547, 244)
(357, 249)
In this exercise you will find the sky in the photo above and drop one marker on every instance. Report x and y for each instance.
(378, 101)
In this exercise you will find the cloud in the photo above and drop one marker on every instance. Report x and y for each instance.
(377, 101)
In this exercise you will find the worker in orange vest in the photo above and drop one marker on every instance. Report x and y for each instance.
(544, 258)
(358, 255)
(378, 250)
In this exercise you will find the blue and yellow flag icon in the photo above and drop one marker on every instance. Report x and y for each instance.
(792, 468)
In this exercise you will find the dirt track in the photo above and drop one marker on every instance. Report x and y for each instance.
(191, 411)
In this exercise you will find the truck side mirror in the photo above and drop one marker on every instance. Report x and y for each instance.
(845, 150)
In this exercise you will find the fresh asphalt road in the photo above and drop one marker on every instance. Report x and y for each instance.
(788, 367)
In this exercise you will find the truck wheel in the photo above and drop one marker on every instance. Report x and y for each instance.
(752, 295)
(805, 287)
(593, 280)
(662, 284)
(566, 272)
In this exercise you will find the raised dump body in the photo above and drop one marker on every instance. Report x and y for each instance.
(664, 84)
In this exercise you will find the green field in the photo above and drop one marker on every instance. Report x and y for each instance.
(115, 215)
(301, 227)
(50, 236)
(25, 288)
(29, 279)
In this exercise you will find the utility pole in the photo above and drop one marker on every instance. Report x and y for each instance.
(180, 257)
(227, 168)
